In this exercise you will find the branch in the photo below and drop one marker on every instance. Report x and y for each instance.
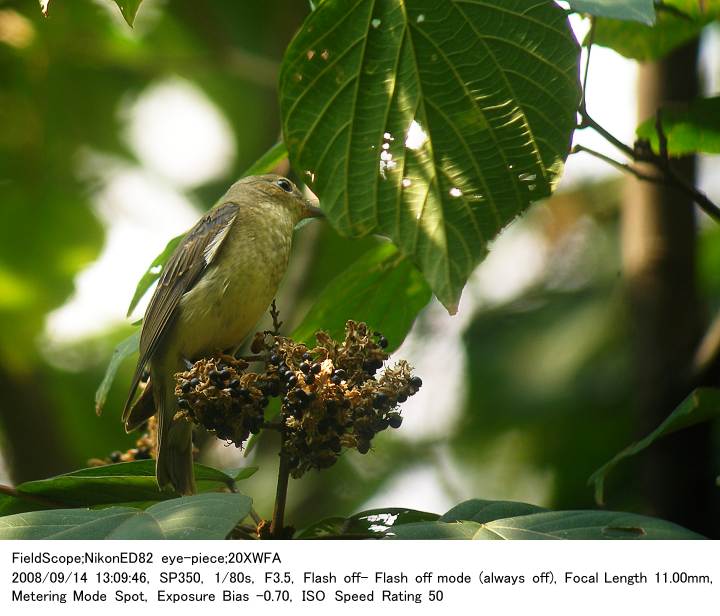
(642, 153)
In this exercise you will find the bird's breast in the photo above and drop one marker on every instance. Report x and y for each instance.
(236, 289)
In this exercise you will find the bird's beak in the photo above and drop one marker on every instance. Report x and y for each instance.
(313, 211)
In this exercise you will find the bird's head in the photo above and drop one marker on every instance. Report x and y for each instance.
(274, 191)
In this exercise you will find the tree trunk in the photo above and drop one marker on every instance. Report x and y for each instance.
(659, 239)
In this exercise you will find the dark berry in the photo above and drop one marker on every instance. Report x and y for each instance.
(310, 378)
(115, 456)
(307, 356)
(305, 367)
(334, 444)
(315, 368)
(234, 383)
(183, 404)
(323, 426)
(340, 373)
(274, 359)
(185, 386)
(416, 382)
(224, 373)
(194, 382)
(395, 420)
(383, 342)
(214, 376)
(380, 400)
(402, 397)
(143, 453)
(292, 380)
(263, 402)
(336, 380)
(363, 446)
(244, 393)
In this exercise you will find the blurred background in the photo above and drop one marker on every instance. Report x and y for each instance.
(113, 140)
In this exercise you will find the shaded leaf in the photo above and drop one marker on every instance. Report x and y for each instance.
(370, 522)
(124, 483)
(268, 161)
(434, 123)
(550, 525)
(203, 516)
(629, 10)
(483, 511)
(672, 29)
(701, 405)
(129, 9)
(153, 272)
(690, 128)
(397, 289)
(125, 349)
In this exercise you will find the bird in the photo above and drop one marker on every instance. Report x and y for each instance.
(214, 288)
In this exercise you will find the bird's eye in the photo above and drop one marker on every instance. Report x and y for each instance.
(285, 185)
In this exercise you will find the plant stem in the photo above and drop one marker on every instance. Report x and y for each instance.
(276, 526)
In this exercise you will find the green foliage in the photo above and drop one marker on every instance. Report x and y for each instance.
(700, 406)
(398, 293)
(371, 523)
(628, 10)
(203, 516)
(125, 349)
(433, 123)
(672, 29)
(128, 483)
(690, 128)
(482, 511)
(549, 525)
(129, 9)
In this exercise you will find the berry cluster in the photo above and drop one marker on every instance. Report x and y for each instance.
(220, 395)
(332, 397)
(144, 449)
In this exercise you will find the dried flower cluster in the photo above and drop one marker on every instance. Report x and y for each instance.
(331, 395)
(144, 449)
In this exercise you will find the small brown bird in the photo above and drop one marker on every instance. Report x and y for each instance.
(214, 288)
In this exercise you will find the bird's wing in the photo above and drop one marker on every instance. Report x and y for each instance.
(182, 271)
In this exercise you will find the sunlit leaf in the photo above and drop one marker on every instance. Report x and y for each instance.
(373, 522)
(153, 272)
(397, 289)
(432, 122)
(550, 525)
(203, 516)
(701, 405)
(690, 128)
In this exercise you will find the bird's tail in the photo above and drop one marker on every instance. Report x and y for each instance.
(174, 448)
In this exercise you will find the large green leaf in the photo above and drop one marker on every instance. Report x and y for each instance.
(672, 28)
(690, 128)
(701, 405)
(482, 511)
(397, 289)
(431, 121)
(550, 525)
(373, 522)
(629, 10)
(203, 516)
(126, 483)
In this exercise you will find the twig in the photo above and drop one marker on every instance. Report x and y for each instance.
(275, 314)
(277, 524)
(642, 153)
(618, 165)
(591, 40)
